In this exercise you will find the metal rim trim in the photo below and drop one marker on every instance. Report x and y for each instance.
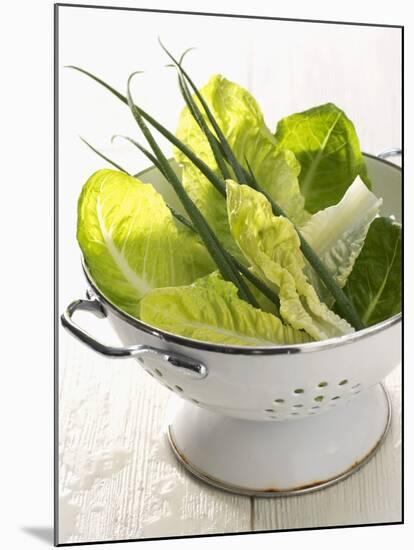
(219, 484)
(381, 159)
(369, 155)
(238, 350)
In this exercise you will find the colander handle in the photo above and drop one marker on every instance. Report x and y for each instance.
(391, 152)
(189, 367)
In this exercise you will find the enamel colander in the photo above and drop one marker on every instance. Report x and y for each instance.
(266, 421)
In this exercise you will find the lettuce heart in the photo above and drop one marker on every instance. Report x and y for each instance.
(337, 234)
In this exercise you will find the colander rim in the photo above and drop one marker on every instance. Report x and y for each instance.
(237, 350)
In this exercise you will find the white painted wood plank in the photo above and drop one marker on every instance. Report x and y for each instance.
(118, 477)
(371, 495)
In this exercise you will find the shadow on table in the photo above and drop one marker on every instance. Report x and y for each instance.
(42, 533)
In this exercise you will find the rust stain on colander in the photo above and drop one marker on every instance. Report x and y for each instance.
(270, 491)
(320, 483)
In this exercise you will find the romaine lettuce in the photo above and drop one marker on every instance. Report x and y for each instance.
(271, 245)
(337, 233)
(327, 147)
(130, 241)
(375, 284)
(211, 310)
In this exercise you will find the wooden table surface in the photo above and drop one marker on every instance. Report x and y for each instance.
(120, 480)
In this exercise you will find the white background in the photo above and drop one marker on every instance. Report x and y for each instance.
(27, 253)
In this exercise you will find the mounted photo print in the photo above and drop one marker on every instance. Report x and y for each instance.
(229, 274)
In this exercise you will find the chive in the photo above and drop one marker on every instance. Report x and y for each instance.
(198, 117)
(239, 173)
(103, 156)
(200, 164)
(226, 267)
(143, 150)
(252, 178)
(182, 219)
(258, 283)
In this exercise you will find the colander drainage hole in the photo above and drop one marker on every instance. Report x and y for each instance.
(319, 398)
(294, 414)
(194, 400)
(322, 384)
(343, 382)
(298, 406)
(299, 390)
(356, 386)
(157, 371)
(279, 400)
(336, 397)
(270, 410)
(178, 388)
(316, 407)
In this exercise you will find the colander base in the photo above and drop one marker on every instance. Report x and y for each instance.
(281, 458)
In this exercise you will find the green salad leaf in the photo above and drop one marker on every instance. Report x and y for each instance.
(327, 147)
(271, 245)
(242, 123)
(375, 284)
(212, 205)
(337, 233)
(210, 310)
(131, 242)
(265, 303)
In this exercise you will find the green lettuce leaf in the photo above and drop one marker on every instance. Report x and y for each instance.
(337, 233)
(326, 145)
(210, 310)
(242, 123)
(212, 205)
(130, 241)
(375, 284)
(264, 302)
(271, 245)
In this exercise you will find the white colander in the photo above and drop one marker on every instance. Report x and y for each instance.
(274, 420)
